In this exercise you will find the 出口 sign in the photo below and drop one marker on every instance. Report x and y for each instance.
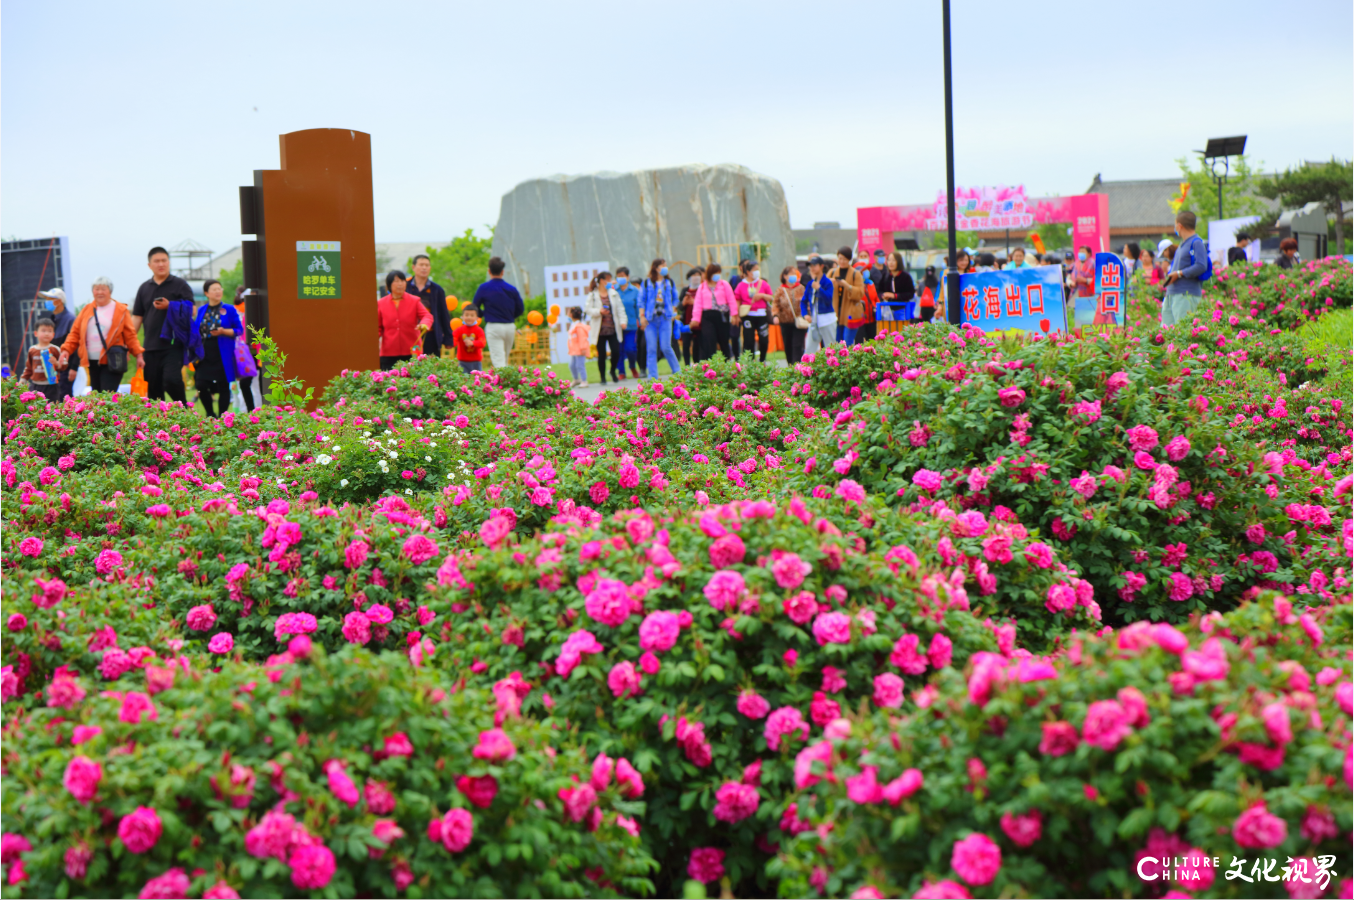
(318, 269)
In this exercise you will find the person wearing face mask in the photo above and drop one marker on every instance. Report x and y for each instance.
(931, 295)
(867, 327)
(606, 324)
(657, 314)
(691, 343)
(1083, 273)
(897, 285)
(754, 295)
(712, 312)
(847, 297)
(785, 307)
(1189, 268)
(632, 343)
(218, 324)
(62, 319)
(818, 305)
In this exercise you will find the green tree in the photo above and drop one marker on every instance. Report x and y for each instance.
(231, 279)
(940, 240)
(1056, 235)
(1331, 183)
(462, 265)
(1239, 195)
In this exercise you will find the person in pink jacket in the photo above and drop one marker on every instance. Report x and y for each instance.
(710, 315)
(401, 321)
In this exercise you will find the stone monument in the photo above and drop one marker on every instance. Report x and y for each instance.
(629, 218)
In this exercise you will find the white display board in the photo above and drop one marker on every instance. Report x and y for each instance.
(567, 286)
(1222, 237)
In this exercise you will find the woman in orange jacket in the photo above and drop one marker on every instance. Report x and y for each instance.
(401, 321)
(90, 337)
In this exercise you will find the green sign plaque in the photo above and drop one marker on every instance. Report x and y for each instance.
(317, 269)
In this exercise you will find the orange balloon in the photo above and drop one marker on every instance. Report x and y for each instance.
(535, 318)
(554, 311)
(465, 303)
(456, 322)
(553, 317)
(451, 301)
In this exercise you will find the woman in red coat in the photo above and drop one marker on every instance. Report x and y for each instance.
(401, 321)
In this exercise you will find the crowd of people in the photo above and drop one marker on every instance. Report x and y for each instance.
(626, 323)
(173, 331)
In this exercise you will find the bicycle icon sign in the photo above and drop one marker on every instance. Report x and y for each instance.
(319, 264)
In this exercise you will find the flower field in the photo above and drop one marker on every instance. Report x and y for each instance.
(939, 616)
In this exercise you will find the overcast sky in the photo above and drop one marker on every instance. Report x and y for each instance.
(124, 125)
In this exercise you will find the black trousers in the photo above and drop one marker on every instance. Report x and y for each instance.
(928, 313)
(430, 345)
(164, 374)
(688, 340)
(867, 332)
(757, 332)
(735, 333)
(214, 386)
(51, 391)
(610, 342)
(714, 334)
(793, 339)
(65, 382)
(247, 389)
(100, 379)
(388, 362)
(641, 353)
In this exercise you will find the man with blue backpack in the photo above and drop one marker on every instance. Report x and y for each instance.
(1190, 268)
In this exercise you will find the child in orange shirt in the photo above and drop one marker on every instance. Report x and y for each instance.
(470, 342)
(579, 341)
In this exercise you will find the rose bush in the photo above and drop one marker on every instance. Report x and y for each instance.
(667, 613)
(1227, 739)
(352, 773)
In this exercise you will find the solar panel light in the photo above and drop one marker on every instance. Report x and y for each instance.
(1224, 147)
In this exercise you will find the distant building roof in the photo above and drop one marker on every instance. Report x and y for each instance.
(1139, 204)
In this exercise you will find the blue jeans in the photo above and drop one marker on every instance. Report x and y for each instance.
(630, 350)
(846, 335)
(655, 343)
(578, 368)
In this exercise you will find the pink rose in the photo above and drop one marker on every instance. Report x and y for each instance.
(976, 858)
(832, 628)
(1024, 829)
(888, 690)
(752, 704)
(458, 828)
(312, 866)
(1258, 829)
(734, 802)
(494, 746)
(139, 830)
(706, 864)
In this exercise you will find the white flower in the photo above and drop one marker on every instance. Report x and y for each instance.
(433, 444)
(343, 483)
(322, 438)
(408, 490)
(427, 459)
(324, 459)
(450, 476)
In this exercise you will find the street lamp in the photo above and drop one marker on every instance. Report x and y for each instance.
(1216, 154)
(952, 298)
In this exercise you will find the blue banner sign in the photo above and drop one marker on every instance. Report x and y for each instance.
(1014, 300)
(1107, 306)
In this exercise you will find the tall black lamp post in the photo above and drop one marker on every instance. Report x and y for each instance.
(1216, 154)
(952, 298)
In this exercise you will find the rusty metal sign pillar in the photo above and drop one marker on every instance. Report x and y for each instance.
(313, 265)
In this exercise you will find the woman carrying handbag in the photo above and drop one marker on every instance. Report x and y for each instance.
(793, 327)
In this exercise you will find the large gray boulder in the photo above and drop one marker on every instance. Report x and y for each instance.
(629, 218)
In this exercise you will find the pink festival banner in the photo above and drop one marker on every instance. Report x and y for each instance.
(989, 209)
